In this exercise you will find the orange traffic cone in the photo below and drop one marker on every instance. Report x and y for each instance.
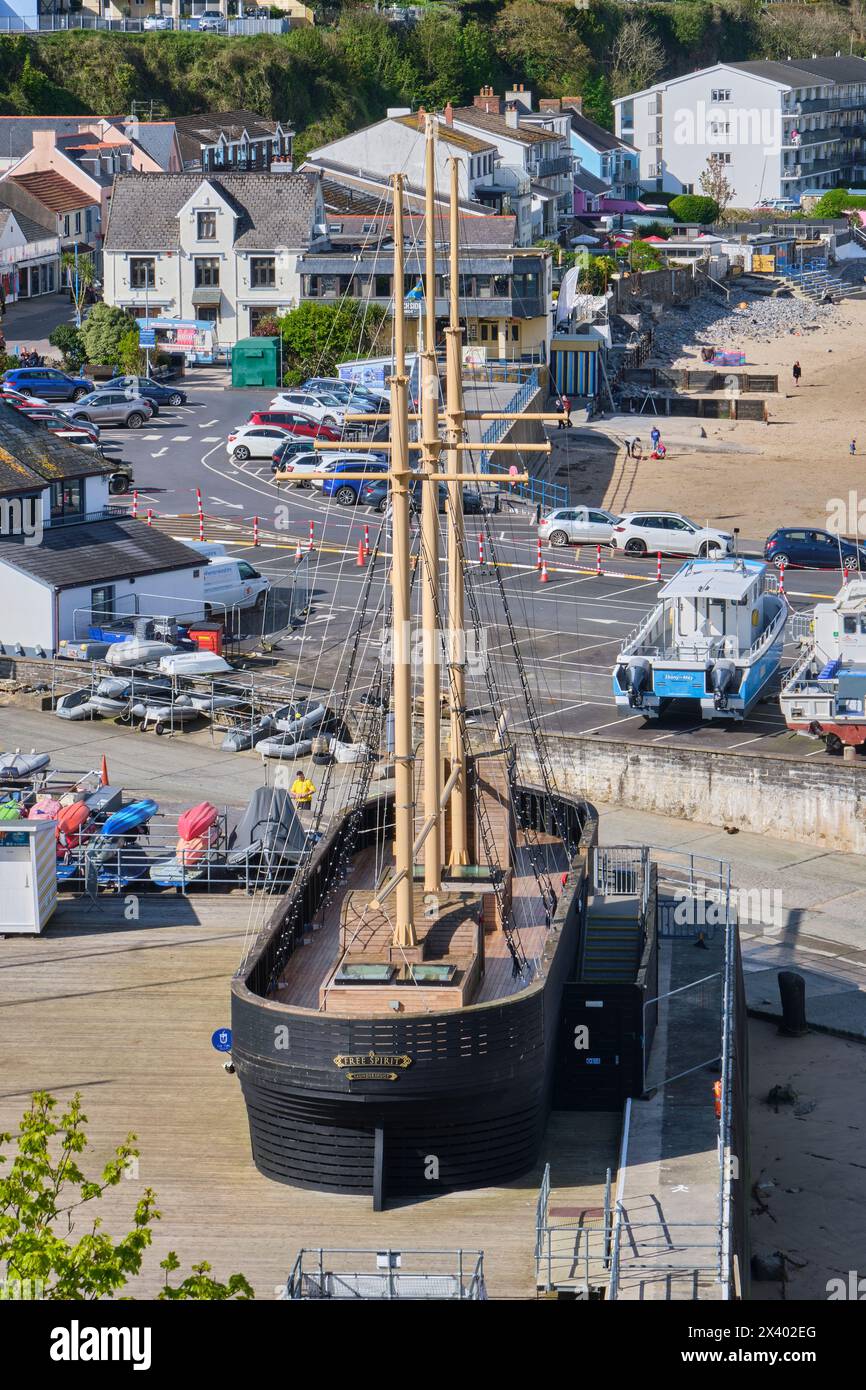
(104, 775)
(360, 560)
(299, 554)
(542, 578)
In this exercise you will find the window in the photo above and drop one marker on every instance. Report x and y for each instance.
(263, 271)
(67, 497)
(142, 272)
(77, 223)
(206, 226)
(207, 272)
(719, 158)
(261, 312)
(207, 313)
(66, 225)
(102, 603)
(719, 94)
(382, 286)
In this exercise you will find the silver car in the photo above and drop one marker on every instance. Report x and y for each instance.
(577, 526)
(110, 408)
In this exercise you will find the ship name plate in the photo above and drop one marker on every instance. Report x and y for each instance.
(373, 1059)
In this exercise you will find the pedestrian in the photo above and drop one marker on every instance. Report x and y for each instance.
(565, 405)
(852, 447)
(797, 372)
(303, 791)
(655, 436)
(632, 446)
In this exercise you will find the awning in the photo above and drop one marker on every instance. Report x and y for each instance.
(207, 295)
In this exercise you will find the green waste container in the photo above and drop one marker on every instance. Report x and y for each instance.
(256, 362)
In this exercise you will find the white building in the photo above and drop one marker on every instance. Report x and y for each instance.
(29, 254)
(780, 129)
(221, 249)
(67, 557)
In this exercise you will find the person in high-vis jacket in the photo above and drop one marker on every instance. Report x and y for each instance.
(303, 791)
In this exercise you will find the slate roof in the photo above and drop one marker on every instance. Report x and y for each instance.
(53, 191)
(596, 135)
(16, 132)
(93, 552)
(447, 134)
(31, 457)
(589, 183)
(156, 138)
(498, 125)
(197, 132)
(807, 72)
(273, 209)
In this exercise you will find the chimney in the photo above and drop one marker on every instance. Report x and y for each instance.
(573, 103)
(511, 117)
(421, 117)
(489, 102)
(550, 104)
(44, 141)
(449, 114)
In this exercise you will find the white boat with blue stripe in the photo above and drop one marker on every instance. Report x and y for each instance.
(715, 637)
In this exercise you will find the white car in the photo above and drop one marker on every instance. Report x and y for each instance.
(326, 409)
(255, 441)
(212, 20)
(577, 526)
(157, 21)
(648, 532)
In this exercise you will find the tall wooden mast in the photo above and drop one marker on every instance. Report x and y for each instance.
(458, 852)
(404, 814)
(431, 446)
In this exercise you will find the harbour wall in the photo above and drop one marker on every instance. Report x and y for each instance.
(822, 803)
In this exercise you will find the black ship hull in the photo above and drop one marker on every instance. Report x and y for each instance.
(409, 1105)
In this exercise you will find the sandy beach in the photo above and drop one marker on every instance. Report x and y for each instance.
(796, 464)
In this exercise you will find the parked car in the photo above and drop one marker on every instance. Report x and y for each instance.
(111, 408)
(49, 383)
(577, 526)
(377, 495)
(289, 449)
(328, 409)
(331, 459)
(295, 422)
(157, 21)
(213, 20)
(16, 399)
(58, 423)
(255, 441)
(640, 533)
(155, 391)
(346, 490)
(336, 386)
(805, 548)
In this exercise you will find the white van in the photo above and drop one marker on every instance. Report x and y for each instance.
(229, 583)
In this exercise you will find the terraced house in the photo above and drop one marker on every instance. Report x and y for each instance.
(219, 249)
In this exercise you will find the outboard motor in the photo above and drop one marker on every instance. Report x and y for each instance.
(636, 678)
(722, 676)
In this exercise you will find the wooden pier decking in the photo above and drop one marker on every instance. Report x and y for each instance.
(123, 1011)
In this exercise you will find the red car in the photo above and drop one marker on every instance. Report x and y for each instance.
(295, 422)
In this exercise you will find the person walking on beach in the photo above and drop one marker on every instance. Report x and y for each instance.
(797, 372)
(852, 447)
(655, 436)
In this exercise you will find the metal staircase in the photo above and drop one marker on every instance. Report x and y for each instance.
(613, 939)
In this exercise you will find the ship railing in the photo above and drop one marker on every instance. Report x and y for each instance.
(800, 626)
(794, 681)
(619, 870)
(378, 1275)
(770, 633)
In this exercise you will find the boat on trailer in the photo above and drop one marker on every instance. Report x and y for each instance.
(716, 637)
(395, 1023)
(824, 693)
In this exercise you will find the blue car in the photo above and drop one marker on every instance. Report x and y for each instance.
(155, 391)
(805, 547)
(346, 490)
(48, 383)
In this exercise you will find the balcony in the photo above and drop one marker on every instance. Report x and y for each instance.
(805, 108)
(812, 137)
(549, 168)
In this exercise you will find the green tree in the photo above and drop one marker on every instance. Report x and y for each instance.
(597, 100)
(691, 207)
(837, 202)
(642, 256)
(131, 358)
(317, 336)
(102, 333)
(536, 41)
(42, 1194)
(595, 273)
(67, 339)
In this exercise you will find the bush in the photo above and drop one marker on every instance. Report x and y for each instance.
(317, 336)
(691, 207)
(67, 339)
(837, 202)
(102, 333)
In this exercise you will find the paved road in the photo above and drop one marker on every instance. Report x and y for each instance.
(570, 629)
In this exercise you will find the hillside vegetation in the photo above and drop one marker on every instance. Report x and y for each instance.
(331, 79)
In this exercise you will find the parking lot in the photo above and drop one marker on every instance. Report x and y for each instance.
(570, 629)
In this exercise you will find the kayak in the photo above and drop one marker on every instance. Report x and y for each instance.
(129, 818)
(70, 824)
(10, 810)
(195, 821)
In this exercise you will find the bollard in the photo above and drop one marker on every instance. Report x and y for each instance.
(201, 526)
(149, 515)
(781, 579)
(134, 505)
(658, 567)
(538, 555)
(198, 500)
(310, 546)
(845, 575)
(792, 992)
(598, 559)
(481, 550)
(366, 541)
(255, 530)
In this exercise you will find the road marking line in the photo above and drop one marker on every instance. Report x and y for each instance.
(207, 424)
(181, 438)
(151, 436)
(210, 439)
(159, 453)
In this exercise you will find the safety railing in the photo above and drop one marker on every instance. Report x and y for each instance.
(57, 23)
(536, 490)
(453, 1275)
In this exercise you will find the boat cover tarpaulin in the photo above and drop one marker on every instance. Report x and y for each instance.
(269, 825)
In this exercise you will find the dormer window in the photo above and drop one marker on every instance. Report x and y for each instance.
(206, 226)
